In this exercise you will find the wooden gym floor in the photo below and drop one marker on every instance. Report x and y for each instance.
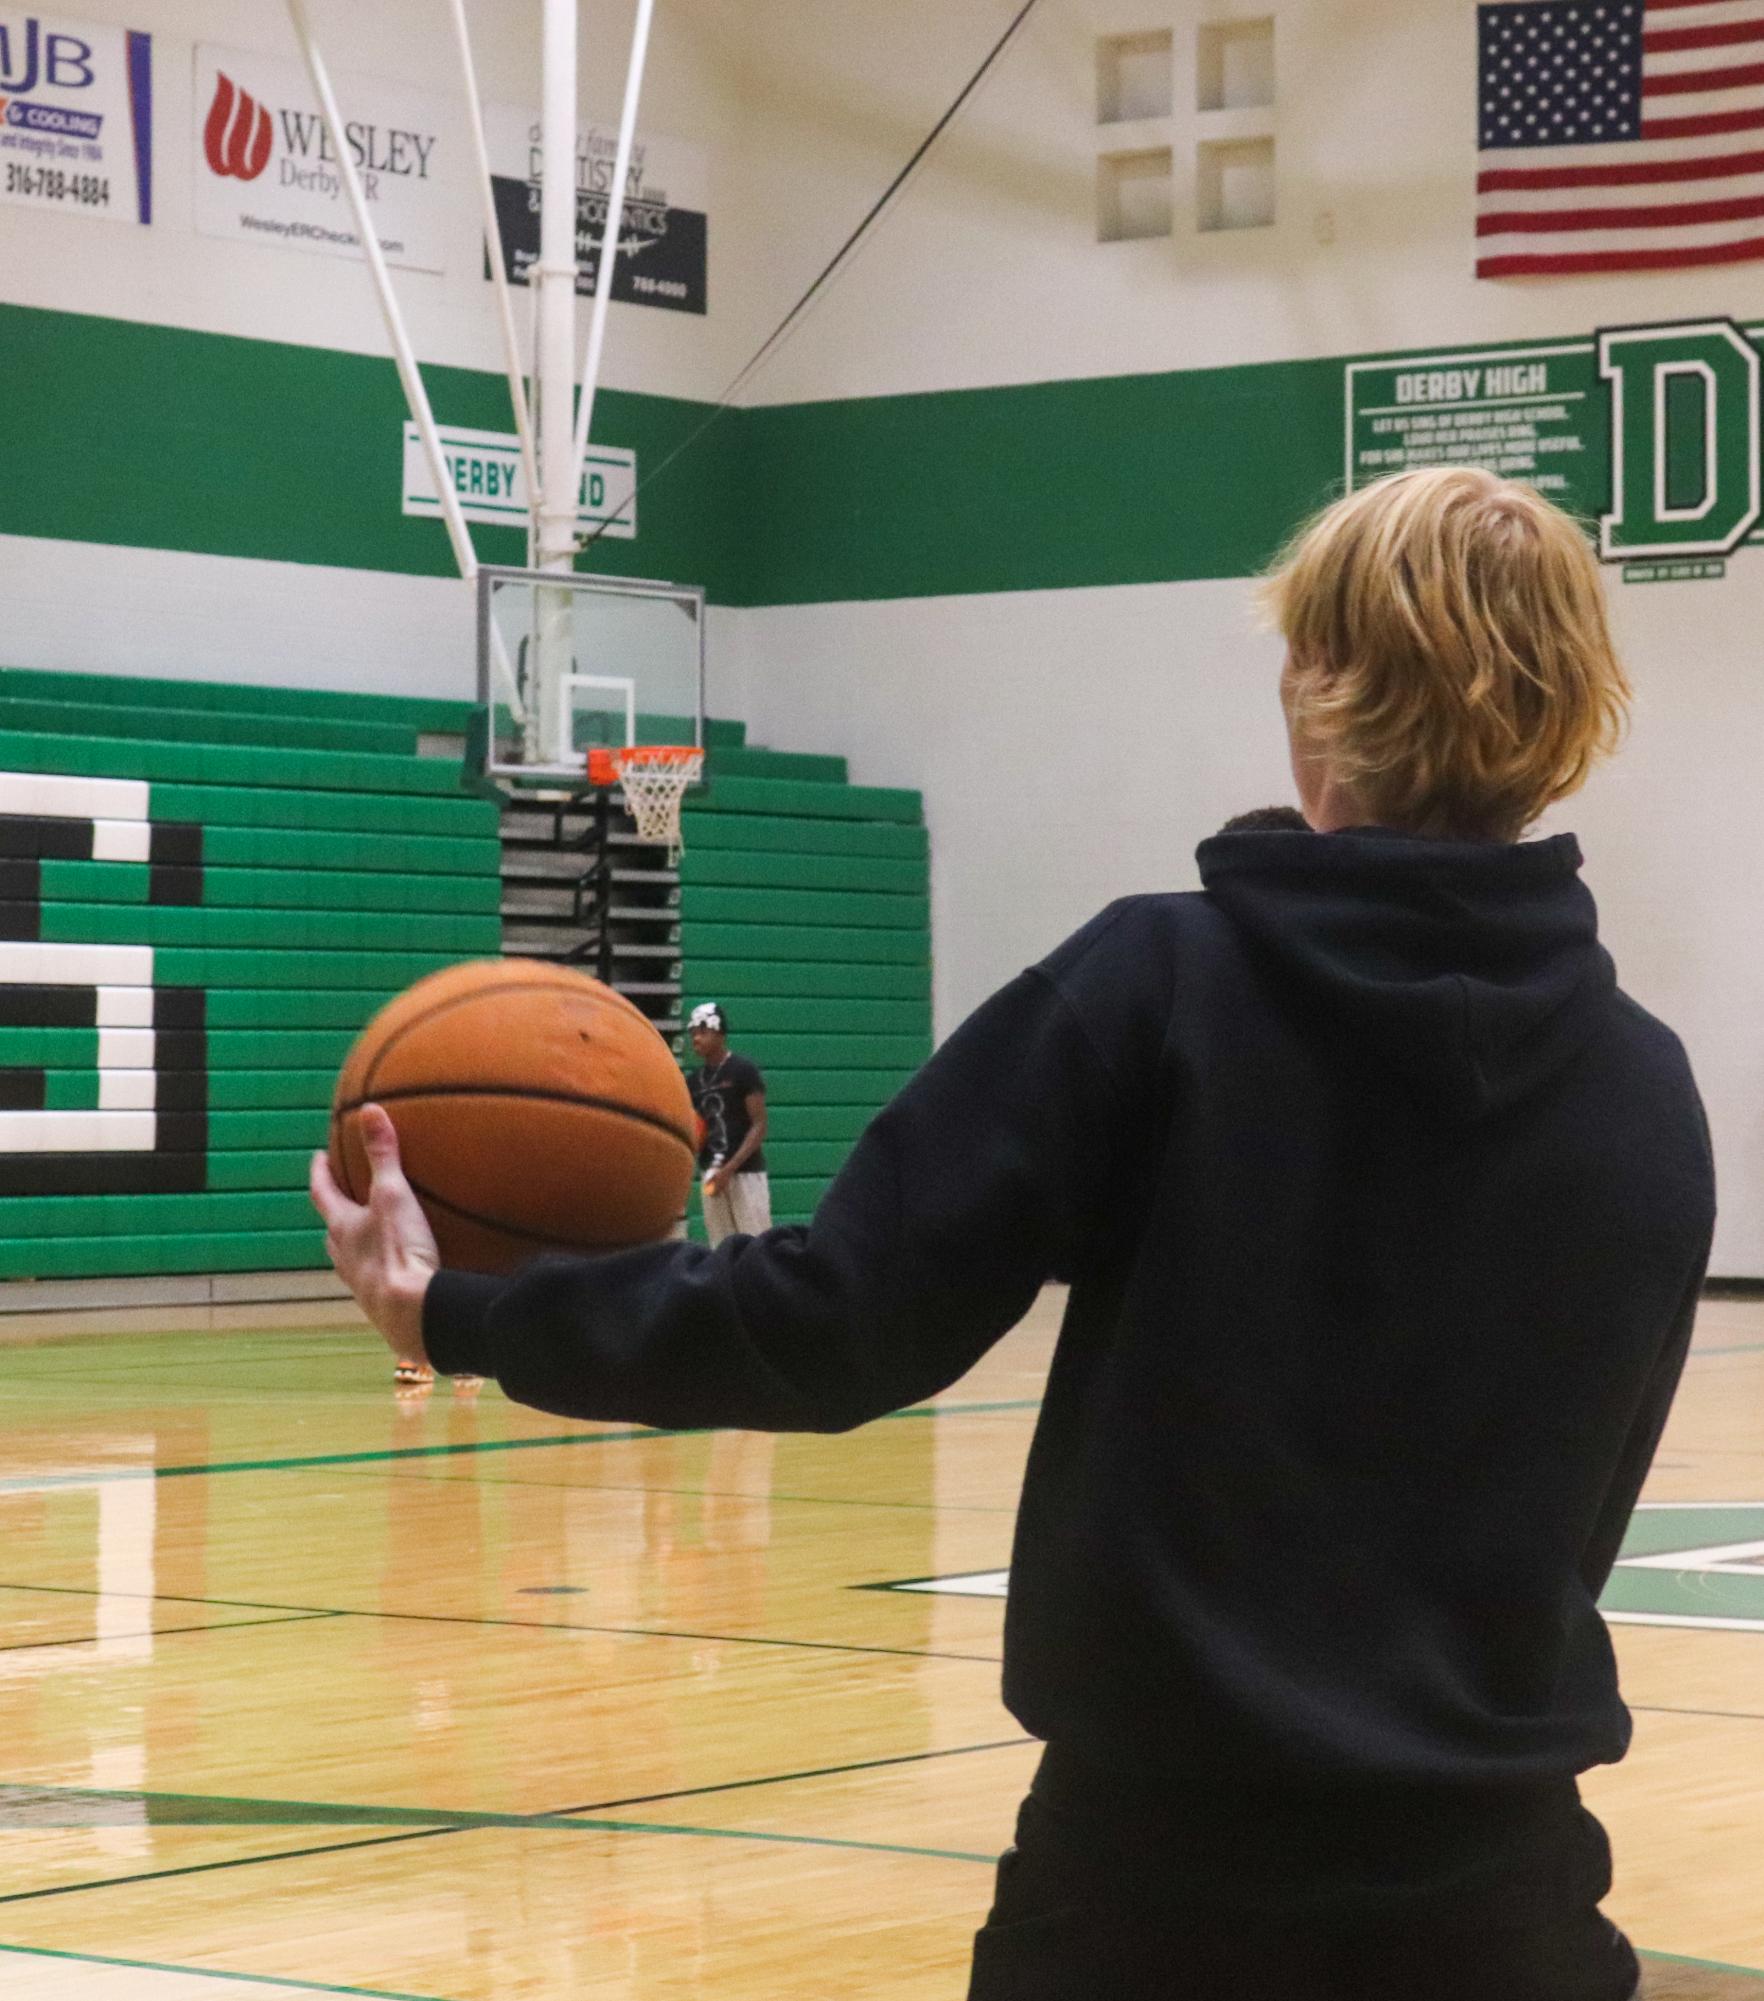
(304, 1689)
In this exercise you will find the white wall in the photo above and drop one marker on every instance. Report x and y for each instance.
(1075, 746)
(1156, 699)
(990, 272)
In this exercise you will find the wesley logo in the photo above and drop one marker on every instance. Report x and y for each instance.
(238, 135)
(273, 175)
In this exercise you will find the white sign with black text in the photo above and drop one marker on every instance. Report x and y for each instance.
(664, 240)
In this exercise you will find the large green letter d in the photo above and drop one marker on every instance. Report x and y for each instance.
(1684, 439)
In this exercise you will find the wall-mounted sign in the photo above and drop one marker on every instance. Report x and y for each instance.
(1653, 434)
(76, 117)
(265, 172)
(487, 475)
(664, 240)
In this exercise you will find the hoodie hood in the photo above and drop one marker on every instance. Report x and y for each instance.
(1471, 968)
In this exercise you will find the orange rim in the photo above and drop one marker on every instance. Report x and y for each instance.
(605, 765)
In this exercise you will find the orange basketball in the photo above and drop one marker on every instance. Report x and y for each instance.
(536, 1110)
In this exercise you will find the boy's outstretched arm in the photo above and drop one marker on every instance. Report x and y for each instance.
(1002, 1164)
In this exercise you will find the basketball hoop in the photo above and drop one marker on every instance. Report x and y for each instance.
(653, 779)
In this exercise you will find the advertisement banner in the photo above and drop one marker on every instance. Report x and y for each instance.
(663, 244)
(76, 116)
(485, 468)
(264, 169)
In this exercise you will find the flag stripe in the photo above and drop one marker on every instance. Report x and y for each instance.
(1569, 263)
(1668, 6)
(1707, 13)
(1704, 124)
(1659, 216)
(1602, 202)
(1721, 35)
(1621, 174)
(1733, 77)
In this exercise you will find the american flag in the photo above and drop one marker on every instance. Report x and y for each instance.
(1619, 135)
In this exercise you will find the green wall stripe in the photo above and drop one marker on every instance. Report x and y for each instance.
(160, 437)
(1113, 480)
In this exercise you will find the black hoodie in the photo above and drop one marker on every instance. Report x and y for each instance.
(1385, 1215)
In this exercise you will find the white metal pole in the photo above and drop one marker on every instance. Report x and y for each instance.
(511, 346)
(615, 221)
(403, 354)
(555, 304)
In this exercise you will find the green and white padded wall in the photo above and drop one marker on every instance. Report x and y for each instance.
(206, 890)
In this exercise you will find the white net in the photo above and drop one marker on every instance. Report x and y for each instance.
(654, 783)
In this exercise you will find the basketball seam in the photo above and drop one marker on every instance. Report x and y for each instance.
(510, 1229)
(445, 1090)
(522, 985)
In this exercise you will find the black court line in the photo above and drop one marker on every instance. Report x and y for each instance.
(437, 1833)
(791, 1778)
(518, 1625)
(164, 1632)
(208, 1868)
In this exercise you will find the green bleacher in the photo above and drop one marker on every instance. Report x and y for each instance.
(341, 858)
(805, 907)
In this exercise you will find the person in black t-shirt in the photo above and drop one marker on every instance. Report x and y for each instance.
(729, 1095)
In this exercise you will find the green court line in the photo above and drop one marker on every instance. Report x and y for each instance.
(1708, 1965)
(215, 1973)
(714, 1494)
(160, 1633)
(1672, 1709)
(429, 1830)
(218, 1810)
(400, 1994)
(390, 1454)
(450, 1823)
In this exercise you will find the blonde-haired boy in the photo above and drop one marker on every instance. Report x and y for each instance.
(1385, 1215)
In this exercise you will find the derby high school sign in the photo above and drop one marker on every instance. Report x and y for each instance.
(265, 170)
(1653, 434)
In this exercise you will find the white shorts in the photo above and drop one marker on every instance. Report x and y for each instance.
(745, 1206)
